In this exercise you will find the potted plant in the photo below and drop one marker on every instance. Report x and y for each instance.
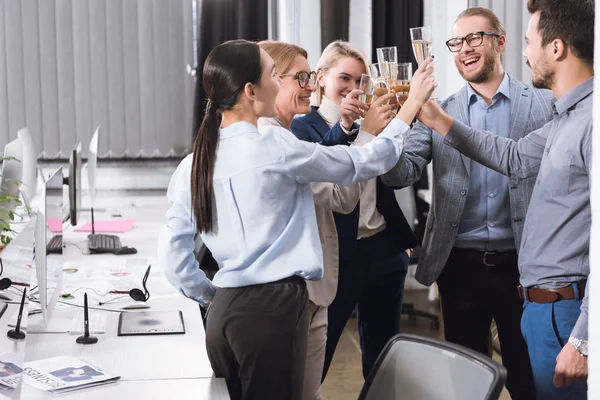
(6, 213)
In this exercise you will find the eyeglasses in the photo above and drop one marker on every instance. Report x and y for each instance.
(303, 78)
(473, 39)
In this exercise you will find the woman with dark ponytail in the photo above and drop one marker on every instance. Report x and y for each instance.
(248, 196)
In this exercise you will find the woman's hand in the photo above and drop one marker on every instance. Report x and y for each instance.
(379, 115)
(351, 109)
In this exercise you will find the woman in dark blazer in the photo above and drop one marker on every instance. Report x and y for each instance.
(375, 238)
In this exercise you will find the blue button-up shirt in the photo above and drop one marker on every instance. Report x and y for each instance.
(266, 227)
(485, 223)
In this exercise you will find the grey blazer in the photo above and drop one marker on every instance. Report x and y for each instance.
(530, 109)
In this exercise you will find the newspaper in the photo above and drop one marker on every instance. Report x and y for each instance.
(63, 374)
(11, 370)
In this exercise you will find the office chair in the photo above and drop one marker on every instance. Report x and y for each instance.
(407, 200)
(420, 368)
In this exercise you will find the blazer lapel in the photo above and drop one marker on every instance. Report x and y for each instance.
(463, 116)
(520, 105)
(317, 122)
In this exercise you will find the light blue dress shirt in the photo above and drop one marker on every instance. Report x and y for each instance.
(266, 227)
(485, 223)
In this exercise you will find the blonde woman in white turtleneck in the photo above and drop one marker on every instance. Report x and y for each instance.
(373, 240)
(297, 85)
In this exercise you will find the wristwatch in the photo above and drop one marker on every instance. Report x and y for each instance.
(580, 345)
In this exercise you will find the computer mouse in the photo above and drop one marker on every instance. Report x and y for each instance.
(125, 250)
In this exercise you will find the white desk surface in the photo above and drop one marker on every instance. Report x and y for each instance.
(159, 366)
(180, 389)
(14, 347)
(134, 357)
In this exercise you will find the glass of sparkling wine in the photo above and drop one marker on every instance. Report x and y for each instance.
(387, 55)
(380, 76)
(366, 85)
(401, 77)
(421, 42)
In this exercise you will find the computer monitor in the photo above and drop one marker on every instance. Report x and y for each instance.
(74, 183)
(48, 266)
(29, 165)
(11, 174)
(92, 164)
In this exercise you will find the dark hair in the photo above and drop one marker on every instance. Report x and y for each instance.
(495, 23)
(227, 70)
(571, 21)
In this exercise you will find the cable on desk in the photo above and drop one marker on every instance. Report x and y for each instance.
(78, 306)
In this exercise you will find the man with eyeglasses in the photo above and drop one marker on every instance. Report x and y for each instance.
(476, 219)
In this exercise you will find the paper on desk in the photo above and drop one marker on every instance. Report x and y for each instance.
(11, 370)
(110, 226)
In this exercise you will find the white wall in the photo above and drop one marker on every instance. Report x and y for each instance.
(299, 23)
(440, 15)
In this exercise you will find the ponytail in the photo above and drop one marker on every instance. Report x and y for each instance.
(203, 166)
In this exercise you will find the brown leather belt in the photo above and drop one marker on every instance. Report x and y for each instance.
(488, 258)
(538, 295)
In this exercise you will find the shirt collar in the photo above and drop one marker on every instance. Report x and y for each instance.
(329, 111)
(238, 128)
(574, 96)
(503, 89)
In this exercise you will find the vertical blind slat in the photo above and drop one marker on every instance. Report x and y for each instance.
(4, 131)
(131, 67)
(116, 80)
(161, 75)
(65, 73)
(49, 78)
(31, 70)
(14, 67)
(146, 78)
(82, 74)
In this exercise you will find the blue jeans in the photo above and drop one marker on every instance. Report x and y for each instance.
(546, 328)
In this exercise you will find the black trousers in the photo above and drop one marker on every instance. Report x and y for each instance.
(373, 282)
(472, 294)
(256, 339)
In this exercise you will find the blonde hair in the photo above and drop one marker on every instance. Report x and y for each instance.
(282, 53)
(332, 53)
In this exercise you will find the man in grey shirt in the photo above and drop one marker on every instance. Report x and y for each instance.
(554, 256)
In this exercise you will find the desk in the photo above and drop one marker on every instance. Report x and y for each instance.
(9, 346)
(159, 366)
(133, 357)
(180, 389)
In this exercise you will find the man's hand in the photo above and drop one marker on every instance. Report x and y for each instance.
(434, 117)
(379, 115)
(571, 367)
(352, 109)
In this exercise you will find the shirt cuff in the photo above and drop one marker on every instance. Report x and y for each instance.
(363, 138)
(580, 331)
(395, 128)
(352, 130)
(204, 298)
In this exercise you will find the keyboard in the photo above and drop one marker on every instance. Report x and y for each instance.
(99, 243)
(55, 245)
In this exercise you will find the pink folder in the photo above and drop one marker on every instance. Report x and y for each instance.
(110, 226)
(55, 225)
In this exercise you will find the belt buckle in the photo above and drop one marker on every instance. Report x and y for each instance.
(485, 254)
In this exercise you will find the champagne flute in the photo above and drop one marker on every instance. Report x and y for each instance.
(380, 76)
(421, 42)
(387, 55)
(366, 85)
(401, 77)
